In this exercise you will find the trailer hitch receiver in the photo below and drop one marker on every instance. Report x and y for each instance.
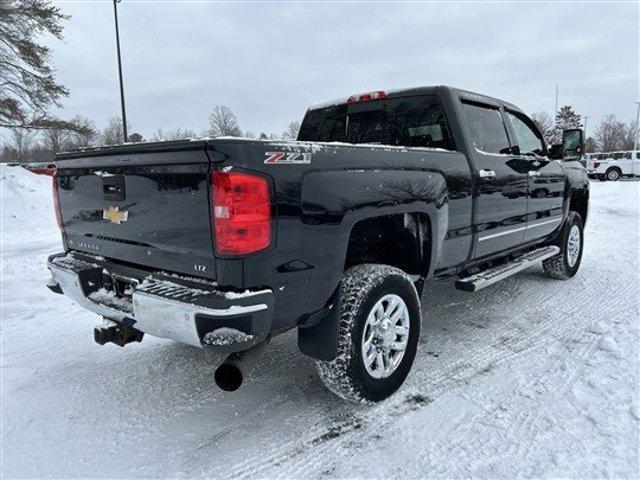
(120, 334)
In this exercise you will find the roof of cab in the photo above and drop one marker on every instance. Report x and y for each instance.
(426, 90)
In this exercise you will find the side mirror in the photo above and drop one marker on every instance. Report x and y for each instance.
(572, 143)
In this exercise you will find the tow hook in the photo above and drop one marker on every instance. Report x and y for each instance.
(120, 334)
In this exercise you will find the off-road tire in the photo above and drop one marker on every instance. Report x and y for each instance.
(611, 171)
(362, 286)
(558, 266)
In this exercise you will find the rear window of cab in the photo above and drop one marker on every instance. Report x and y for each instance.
(409, 121)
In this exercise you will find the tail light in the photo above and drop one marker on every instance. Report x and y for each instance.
(596, 164)
(241, 212)
(56, 203)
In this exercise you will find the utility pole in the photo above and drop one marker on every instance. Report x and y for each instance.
(586, 118)
(124, 113)
(635, 144)
(555, 116)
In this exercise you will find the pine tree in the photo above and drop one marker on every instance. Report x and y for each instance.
(28, 87)
(566, 118)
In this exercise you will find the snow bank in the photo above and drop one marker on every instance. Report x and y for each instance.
(27, 205)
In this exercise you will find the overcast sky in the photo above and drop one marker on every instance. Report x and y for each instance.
(269, 61)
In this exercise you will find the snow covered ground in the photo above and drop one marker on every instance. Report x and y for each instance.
(528, 378)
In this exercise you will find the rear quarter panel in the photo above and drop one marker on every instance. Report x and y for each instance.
(318, 203)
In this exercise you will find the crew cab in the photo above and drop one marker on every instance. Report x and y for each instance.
(613, 166)
(224, 243)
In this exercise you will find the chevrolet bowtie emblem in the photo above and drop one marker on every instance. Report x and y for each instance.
(114, 215)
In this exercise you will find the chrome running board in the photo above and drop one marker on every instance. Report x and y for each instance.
(488, 277)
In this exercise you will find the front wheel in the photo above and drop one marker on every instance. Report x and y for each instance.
(378, 334)
(565, 264)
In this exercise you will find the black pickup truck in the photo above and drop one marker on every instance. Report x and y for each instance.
(223, 243)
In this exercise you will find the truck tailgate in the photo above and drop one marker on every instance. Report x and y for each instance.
(145, 208)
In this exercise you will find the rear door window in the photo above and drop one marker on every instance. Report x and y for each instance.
(488, 131)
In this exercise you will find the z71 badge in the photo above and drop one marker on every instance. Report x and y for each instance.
(287, 158)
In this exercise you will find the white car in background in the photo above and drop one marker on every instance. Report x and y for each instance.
(614, 165)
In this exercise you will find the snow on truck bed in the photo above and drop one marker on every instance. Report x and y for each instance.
(527, 378)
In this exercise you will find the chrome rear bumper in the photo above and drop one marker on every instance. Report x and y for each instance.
(186, 310)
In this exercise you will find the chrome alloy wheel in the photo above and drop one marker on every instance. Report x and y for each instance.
(573, 245)
(385, 336)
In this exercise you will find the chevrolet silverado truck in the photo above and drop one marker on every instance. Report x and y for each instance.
(224, 243)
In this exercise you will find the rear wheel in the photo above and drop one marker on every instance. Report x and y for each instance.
(565, 264)
(613, 174)
(378, 334)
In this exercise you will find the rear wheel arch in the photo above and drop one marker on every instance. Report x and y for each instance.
(402, 240)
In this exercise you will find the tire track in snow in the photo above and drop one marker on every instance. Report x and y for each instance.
(464, 371)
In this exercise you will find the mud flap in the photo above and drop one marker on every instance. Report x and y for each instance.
(318, 336)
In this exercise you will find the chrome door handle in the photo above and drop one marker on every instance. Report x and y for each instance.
(534, 173)
(487, 173)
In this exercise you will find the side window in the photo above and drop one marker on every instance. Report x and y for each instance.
(420, 122)
(487, 128)
(528, 139)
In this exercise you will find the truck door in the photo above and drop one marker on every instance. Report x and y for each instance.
(545, 178)
(501, 179)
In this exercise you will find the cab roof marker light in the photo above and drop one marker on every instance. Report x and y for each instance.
(367, 97)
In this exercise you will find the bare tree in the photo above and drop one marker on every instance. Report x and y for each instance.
(250, 134)
(630, 136)
(174, 134)
(28, 87)
(611, 134)
(591, 145)
(291, 133)
(544, 122)
(55, 139)
(112, 133)
(270, 136)
(85, 136)
(23, 142)
(222, 122)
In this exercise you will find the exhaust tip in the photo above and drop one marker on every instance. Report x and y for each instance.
(228, 377)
